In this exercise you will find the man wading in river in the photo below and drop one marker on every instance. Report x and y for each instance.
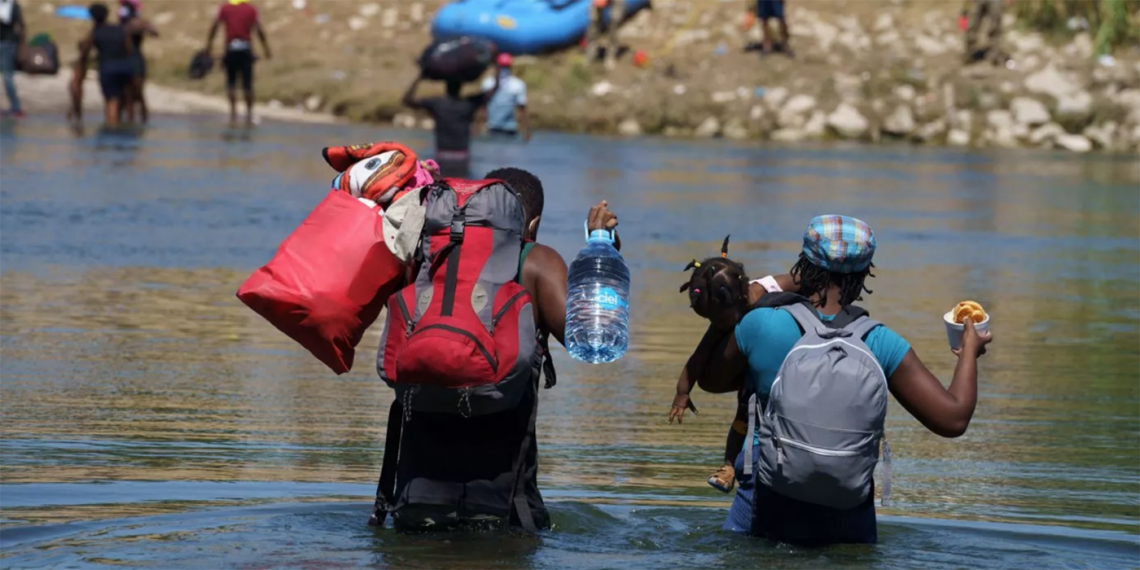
(463, 346)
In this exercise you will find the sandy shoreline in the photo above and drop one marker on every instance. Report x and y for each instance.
(48, 94)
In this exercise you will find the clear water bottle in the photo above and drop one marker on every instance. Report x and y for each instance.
(597, 302)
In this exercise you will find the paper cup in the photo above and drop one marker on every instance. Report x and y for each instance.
(954, 330)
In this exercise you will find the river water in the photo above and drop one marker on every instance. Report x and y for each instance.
(150, 419)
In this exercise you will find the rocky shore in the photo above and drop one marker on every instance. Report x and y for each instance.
(869, 70)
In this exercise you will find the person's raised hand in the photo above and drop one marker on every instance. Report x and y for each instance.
(973, 342)
(601, 218)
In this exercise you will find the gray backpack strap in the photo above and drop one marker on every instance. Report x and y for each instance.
(886, 473)
(752, 413)
(807, 318)
(861, 327)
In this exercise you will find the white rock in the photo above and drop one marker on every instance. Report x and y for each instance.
(899, 122)
(824, 33)
(1007, 87)
(629, 128)
(798, 105)
(964, 119)
(930, 131)
(357, 23)
(313, 102)
(723, 96)
(854, 41)
(847, 121)
(1102, 135)
(1073, 143)
(789, 135)
(1076, 104)
(929, 46)
(163, 18)
(958, 137)
(1081, 46)
(417, 12)
(1025, 42)
(275, 104)
(601, 88)
(1003, 137)
(756, 113)
(743, 93)
(849, 87)
(1029, 111)
(1046, 134)
(1129, 98)
(735, 130)
(427, 123)
(1050, 82)
(679, 89)
(884, 22)
(904, 92)
(404, 121)
(999, 119)
(47, 8)
(369, 10)
(816, 126)
(298, 4)
(708, 129)
(389, 18)
(775, 97)
(888, 38)
(1020, 131)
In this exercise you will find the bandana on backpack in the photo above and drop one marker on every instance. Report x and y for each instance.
(375, 171)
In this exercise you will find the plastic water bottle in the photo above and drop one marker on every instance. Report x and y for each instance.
(597, 302)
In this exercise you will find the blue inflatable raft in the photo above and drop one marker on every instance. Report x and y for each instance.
(521, 26)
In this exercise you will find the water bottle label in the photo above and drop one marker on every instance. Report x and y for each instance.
(609, 300)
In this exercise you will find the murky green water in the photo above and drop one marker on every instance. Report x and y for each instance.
(149, 419)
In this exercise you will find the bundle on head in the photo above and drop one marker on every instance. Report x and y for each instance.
(717, 285)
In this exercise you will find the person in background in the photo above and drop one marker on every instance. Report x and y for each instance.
(454, 116)
(598, 28)
(986, 13)
(139, 29)
(773, 9)
(114, 52)
(506, 110)
(11, 37)
(240, 20)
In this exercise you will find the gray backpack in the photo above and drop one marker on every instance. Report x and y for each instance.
(820, 432)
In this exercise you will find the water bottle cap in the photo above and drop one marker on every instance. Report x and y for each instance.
(606, 236)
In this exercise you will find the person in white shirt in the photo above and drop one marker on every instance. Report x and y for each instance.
(506, 113)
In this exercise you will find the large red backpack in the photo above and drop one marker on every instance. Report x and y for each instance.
(462, 338)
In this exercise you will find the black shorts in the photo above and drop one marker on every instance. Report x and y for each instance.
(115, 77)
(768, 9)
(239, 62)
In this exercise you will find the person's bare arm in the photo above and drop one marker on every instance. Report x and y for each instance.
(723, 363)
(546, 270)
(944, 411)
(409, 98)
(785, 282)
(213, 32)
(264, 41)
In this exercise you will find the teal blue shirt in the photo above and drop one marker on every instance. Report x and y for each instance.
(766, 336)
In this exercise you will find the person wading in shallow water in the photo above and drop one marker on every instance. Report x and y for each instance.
(240, 19)
(454, 116)
(453, 469)
(830, 275)
(114, 52)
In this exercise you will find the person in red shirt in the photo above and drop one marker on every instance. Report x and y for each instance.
(240, 20)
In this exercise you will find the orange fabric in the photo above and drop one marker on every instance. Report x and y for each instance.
(397, 173)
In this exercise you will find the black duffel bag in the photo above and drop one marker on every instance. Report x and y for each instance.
(39, 57)
(460, 59)
(200, 65)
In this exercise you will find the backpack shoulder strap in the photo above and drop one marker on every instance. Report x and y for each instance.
(861, 327)
(527, 246)
(808, 320)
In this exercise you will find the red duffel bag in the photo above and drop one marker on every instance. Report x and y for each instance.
(329, 280)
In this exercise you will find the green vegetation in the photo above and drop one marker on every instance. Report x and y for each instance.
(1115, 23)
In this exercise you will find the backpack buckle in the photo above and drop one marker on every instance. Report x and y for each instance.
(458, 223)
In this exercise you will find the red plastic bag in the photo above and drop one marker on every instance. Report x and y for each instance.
(328, 280)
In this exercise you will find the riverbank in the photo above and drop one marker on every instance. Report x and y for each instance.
(864, 70)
